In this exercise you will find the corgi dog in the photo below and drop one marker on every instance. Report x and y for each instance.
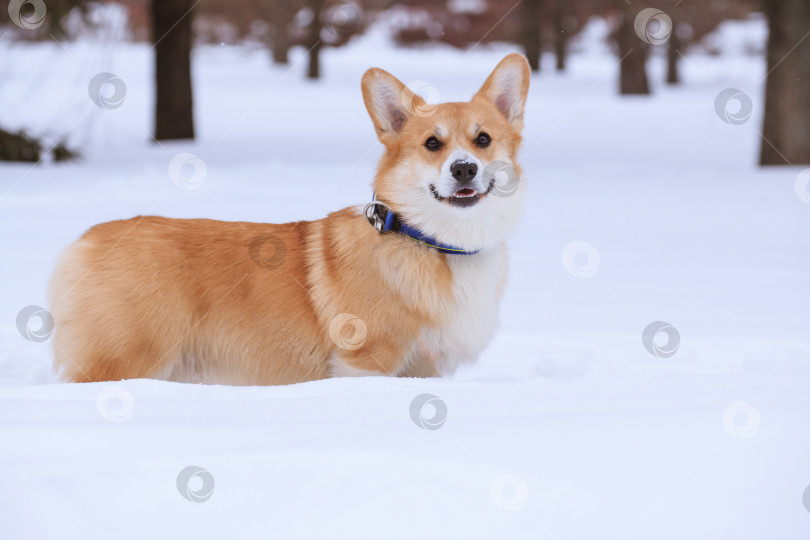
(407, 285)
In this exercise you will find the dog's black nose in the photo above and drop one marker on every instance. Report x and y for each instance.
(463, 171)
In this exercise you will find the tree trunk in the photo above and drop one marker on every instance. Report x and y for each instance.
(560, 34)
(531, 33)
(633, 55)
(786, 127)
(314, 70)
(172, 39)
(281, 44)
(673, 57)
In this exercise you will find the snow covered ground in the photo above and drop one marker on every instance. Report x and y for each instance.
(640, 210)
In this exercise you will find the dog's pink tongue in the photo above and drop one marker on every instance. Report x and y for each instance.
(466, 192)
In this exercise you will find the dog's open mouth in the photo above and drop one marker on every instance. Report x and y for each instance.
(463, 197)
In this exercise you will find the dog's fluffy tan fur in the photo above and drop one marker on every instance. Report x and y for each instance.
(246, 303)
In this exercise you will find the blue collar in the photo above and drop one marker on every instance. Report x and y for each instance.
(384, 220)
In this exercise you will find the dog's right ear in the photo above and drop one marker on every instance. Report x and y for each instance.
(389, 102)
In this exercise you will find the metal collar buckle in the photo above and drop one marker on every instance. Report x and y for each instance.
(373, 215)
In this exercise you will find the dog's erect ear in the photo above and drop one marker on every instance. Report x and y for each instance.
(389, 102)
(507, 87)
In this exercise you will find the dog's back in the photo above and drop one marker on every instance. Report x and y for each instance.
(186, 300)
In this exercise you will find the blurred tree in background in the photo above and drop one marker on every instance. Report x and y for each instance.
(632, 50)
(786, 129)
(535, 25)
(279, 18)
(172, 40)
(693, 20)
(690, 22)
(282, 25)
(538, 27)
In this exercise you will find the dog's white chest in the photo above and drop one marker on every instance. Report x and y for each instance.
(477, 284)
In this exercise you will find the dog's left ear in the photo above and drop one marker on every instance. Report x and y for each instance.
(507, 87)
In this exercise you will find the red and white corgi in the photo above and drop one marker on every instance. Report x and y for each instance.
(408, 285)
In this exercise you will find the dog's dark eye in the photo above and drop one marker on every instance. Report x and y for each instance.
(433, 144)
(483, 140)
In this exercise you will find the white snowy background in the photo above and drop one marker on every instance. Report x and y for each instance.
(566, 427)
